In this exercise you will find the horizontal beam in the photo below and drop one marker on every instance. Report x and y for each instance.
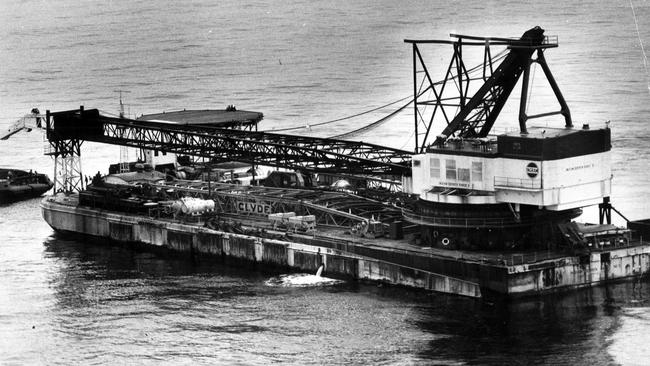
(287, 151)
(544, 114)
(446, 41)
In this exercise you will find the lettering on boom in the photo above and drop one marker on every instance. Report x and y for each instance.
(255, 208)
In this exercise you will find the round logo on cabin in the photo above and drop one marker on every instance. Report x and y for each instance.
(532, 170)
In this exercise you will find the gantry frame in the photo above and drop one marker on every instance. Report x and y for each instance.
(473, 115)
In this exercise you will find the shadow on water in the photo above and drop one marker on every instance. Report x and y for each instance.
(90, 271)
(566, 328)
(570, 328)
(122, 260)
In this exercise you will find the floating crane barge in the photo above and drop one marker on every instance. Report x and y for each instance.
(476, 213)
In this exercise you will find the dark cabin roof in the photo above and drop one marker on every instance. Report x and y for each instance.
(540, 143)
(207, 117)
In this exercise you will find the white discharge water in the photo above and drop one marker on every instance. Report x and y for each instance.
(638, 34)
(301, 280)
(629, 344)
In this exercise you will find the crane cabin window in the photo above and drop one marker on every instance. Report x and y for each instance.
(463, 174)
(434, 168)
(450, 167)
(477, 171)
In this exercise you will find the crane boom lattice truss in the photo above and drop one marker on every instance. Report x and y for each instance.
(470, 111)
(219, 144)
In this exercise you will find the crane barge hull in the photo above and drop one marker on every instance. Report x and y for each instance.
(463, 273)
(468, 212)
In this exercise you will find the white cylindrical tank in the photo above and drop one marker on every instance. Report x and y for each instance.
(190, 205)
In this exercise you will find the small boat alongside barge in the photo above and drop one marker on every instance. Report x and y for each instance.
(16, 185)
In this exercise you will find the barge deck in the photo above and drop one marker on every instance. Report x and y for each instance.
(397, 262)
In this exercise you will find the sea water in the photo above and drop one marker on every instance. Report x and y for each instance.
(65, 301)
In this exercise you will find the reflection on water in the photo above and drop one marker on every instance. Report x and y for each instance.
(74, 301)
(113, 304)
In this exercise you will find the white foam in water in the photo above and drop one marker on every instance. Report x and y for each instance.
(301, 280)
(629, 345)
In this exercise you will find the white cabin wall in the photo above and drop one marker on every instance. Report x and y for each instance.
(559, 184)
(577, 170)
(424, 181)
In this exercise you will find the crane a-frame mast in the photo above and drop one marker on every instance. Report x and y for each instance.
(471, 116)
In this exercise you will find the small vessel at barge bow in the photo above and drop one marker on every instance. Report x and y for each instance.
(478, 213)
(16, 185)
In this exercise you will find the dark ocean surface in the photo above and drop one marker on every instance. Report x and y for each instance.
(300, 63)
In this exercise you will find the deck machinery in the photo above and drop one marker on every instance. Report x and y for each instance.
(516, 190)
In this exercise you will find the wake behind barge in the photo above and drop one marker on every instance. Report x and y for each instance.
(476, 214)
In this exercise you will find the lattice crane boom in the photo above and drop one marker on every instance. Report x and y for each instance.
(220, 144)
(471, 116)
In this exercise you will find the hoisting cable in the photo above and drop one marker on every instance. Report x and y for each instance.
(380, 121)
(530, 87)
(638, 34)
(338, 119)
(497, 57)
(372, 125)
(392, 114)
(408, 140)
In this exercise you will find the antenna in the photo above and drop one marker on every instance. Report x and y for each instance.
(121, 104)
(124, 150)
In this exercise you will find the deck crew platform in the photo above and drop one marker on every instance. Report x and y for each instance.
(221, 118)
